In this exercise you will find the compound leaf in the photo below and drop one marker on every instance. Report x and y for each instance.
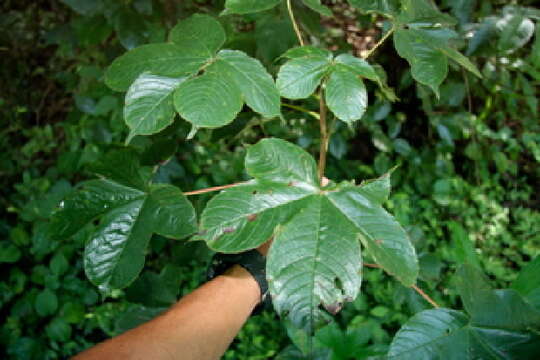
(149, 104)
(159, 59)
(257, 86)
(115, 254)
(308, 224)
(125, 219)
(346, 95)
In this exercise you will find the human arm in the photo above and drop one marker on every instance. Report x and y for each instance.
(200, 326)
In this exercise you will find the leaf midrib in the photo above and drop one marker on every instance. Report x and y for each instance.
(155, 106)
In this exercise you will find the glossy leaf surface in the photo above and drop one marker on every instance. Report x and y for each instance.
(298, 78)
(256, 85)
(114, 256)
(203, 30)
(158, 59)
(319, 229)
(125, 219)
(149, 104)
(497, 325)
(210, 100)
(346, 95)
(314, 260)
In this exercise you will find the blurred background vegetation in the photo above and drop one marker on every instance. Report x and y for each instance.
(467, 186)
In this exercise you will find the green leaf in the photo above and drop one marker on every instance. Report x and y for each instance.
(159, 59)
(314, 260)
(422, 11)
(316, 5)
(388, 7)
(122, 166)
(285, 201)
(346, 95)
(429, 66)
(299, 78)
(257, 86)
(377, 190)
(515, 31)
(528, 282)
(461, 60)
(463, 247)
(115, 254)
(85, 7)
(149, 104)
(381, 235)
(199, 29)
(46, 303)
(248, 6)
(279, 161)
(306, 51)
(126, 217)
(358, 66)
(59, 264)
(449, 332)
(210, 100)
(9, 253)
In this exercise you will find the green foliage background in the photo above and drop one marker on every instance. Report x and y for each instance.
(466, 187)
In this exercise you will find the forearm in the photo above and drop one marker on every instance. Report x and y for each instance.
(200, 326)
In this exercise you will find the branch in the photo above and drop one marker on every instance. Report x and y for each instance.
(383, 39)
(301, 109)
(324, 135)
(215, 188)
(425, 296)
(295, 25)
(414, 287)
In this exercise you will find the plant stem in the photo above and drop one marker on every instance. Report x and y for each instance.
(414, 287)
(301, 109)
(215, 188)
(383, 39)
(425, 296)
(295, 25)
(324, 136)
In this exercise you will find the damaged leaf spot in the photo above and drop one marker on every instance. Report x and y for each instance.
(334, 308)
(229, 230)
(252, 217)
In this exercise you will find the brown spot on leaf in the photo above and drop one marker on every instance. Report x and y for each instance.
(378, 242)
(252, 217)
(333, 308)
(291, 183)
(228, 230)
